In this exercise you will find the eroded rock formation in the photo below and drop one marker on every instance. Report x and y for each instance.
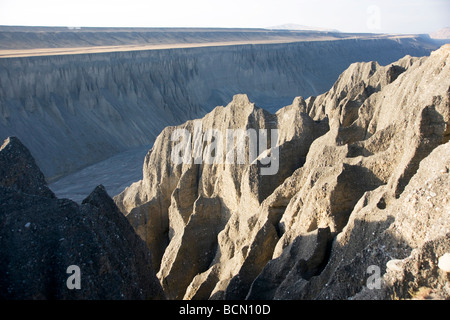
(357, 209)
(362, 180)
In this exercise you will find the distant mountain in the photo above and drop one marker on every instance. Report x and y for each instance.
(443, 33)
(293, 26)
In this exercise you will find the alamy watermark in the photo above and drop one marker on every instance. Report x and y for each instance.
(374, 280)
(227, 147)
(74, 280)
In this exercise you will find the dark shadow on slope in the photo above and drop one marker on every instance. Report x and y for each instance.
(341, 273)
(432, 128)
(305, 258)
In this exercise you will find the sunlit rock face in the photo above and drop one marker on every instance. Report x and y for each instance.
(361, 190)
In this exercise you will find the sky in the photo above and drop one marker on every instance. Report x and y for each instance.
(384, 16)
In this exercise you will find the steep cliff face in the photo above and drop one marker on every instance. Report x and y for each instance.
(81, 109)
(362, 180)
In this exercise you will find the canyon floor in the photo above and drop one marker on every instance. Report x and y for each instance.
(115, 174)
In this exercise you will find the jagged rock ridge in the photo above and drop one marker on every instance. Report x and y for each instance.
(354, 164)
(41, 236)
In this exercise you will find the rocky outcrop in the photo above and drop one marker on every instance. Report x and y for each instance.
(84, 108)
(362, 180)
(42, 236)
(18, 170)
(422, 224)
(172, 200)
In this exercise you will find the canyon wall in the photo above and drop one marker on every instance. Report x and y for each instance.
(75, 110)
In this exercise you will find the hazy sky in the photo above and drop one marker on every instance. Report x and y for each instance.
(395, 16)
